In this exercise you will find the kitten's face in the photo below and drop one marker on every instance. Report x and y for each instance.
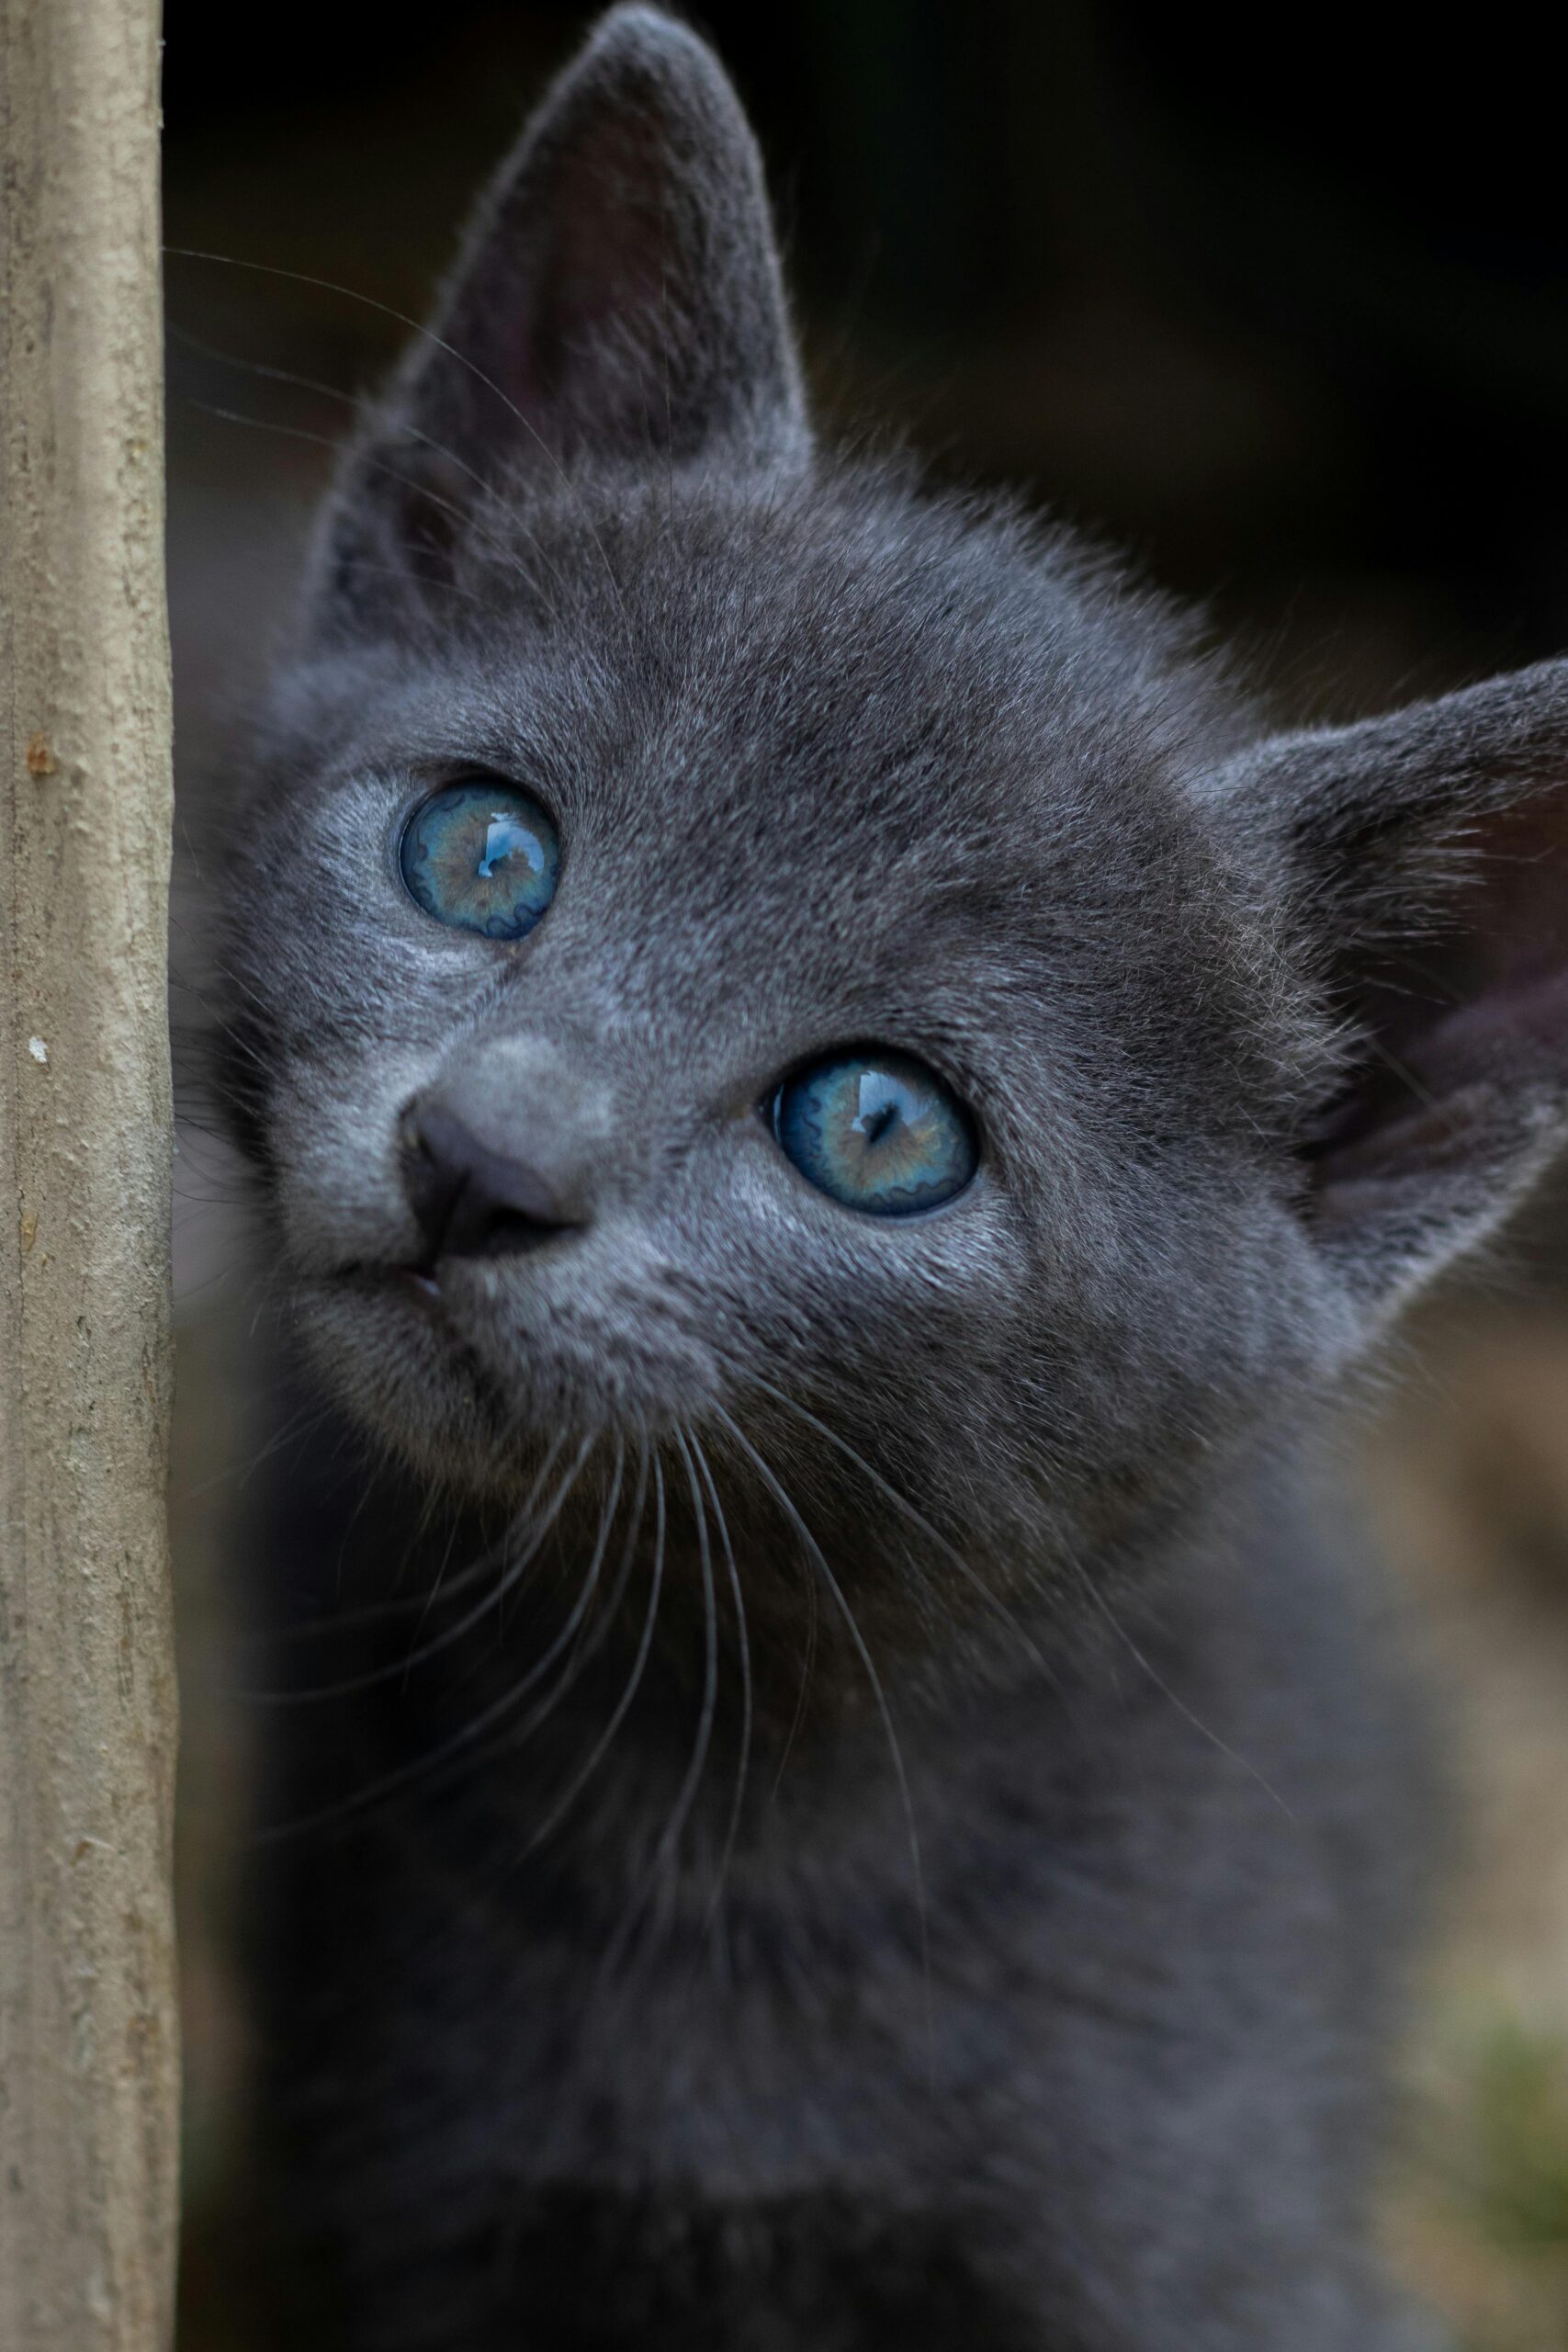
(830, 771)
(827, 770)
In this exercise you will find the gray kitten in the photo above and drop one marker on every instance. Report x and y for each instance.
(839, 1111)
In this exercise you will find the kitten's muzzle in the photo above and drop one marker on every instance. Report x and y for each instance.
(473, 1200)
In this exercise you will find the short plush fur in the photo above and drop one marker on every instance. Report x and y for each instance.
(867, 1807)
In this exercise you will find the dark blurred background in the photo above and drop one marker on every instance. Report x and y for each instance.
(1278, 303)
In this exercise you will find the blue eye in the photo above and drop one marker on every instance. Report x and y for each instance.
(877, 1131)
(482, 858)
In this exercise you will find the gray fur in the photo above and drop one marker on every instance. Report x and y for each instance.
(1033, 1987)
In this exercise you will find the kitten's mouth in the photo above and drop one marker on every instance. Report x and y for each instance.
(419, 1284)
(446, 1359)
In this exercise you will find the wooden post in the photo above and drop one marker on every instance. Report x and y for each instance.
(88, 2054)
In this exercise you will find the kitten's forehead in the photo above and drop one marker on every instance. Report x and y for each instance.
(824, 765)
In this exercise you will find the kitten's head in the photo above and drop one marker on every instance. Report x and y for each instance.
(721, 937)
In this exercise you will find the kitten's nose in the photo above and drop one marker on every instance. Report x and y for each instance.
(471, 1200)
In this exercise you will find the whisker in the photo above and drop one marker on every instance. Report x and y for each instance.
(807, 1661)
(300, 1426)
(374, 1612)
(579, 1613)
(623, 1705)
(391, 1669)
(915, 1519)
(814, 1551)
(663, 1866)
(688, 1790)
(434, 1594)
(743, 1643)
(595, 1641)
(1161, 1685)
(314, 384)
(428, 334)
(499, 552)
(419, 1767)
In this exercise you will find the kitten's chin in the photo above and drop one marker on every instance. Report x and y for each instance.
(469, 1390)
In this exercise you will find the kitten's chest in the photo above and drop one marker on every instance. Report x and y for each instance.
(870, 2008)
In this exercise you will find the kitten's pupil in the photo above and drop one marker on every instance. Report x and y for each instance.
(874, 1125)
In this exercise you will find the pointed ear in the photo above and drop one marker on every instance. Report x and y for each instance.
(1423, 861)
(619, 298)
